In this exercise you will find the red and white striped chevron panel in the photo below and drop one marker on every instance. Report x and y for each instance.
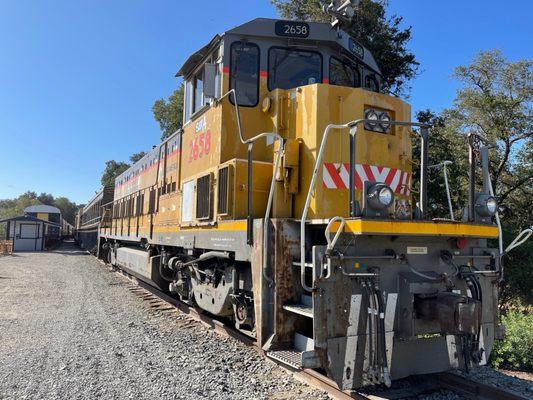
(336, 176)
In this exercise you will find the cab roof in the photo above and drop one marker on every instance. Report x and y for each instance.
(266, 27)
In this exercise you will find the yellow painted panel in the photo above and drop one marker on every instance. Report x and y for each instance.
(43, 216)
(365, 227)
(221, 226)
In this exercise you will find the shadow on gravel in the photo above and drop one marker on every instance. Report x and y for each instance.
(70, 248)
(74, 252)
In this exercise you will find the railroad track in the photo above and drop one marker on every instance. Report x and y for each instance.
(425, 384)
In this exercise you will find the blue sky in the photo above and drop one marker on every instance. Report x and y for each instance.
(78, 78)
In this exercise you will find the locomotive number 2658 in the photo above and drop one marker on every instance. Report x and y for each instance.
(292, 29)
(199, 146)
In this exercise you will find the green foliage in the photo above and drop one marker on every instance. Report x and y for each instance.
(137, 156)
(46, 198)
(112, 170)
(495, 101)
(518, 270)
(169, 113)
(67, 207)
(444, 144)
(383, 36)
(516, 350)
(15, 207)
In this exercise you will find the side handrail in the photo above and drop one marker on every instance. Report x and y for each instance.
(332, 243)
(444, 164)
(250, 142)
(352, 125)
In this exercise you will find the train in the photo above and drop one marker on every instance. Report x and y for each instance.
(292, 205)
(88, 219)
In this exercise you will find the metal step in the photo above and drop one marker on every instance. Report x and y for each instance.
(300, 309)
(292, 358)
(303, 354)
(298, 264)
(295, 359)
(305, 307)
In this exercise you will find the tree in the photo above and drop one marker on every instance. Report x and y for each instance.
(15, 207)
(112, 170)
(383, 36)
(169, 113)
(137, 156)
(444, 145)
(46, 198)
(495, 101)
(67, 207)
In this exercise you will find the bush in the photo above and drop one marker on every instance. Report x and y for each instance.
(516, 350)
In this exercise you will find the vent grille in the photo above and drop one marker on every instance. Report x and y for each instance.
(203, 197)
(223, 180)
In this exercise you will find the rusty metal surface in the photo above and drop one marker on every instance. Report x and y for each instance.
(455, 313)
(284, 234)
(263, 316)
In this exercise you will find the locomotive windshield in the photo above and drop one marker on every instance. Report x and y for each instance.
(244, 73)
(290, 68)
(343, 74)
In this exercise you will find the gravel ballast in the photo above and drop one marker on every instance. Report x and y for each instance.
(70, 329)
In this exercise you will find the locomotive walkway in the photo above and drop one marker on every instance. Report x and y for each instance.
(69, 329)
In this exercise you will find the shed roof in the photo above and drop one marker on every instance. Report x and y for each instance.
(42, 208)
(28, 218)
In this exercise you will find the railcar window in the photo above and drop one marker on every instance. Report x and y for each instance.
(371, 83)
(343, 74)
(244, 73)
(290, 68)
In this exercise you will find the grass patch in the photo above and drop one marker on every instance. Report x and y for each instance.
(515, 352)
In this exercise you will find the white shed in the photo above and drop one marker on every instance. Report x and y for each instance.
(26, 232)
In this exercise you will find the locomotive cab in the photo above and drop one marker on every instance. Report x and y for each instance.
(286, 204)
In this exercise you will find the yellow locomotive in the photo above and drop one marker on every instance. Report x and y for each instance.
(286, 205)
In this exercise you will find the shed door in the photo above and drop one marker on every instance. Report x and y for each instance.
(27, 237)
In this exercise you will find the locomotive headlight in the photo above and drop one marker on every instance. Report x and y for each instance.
(377, 121)
(384, 121)
(486, 205)
(380, 196)
(371, 115)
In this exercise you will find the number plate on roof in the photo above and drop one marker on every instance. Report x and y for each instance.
(292, 29)
(356, 48)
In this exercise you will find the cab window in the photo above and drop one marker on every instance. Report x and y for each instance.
(343, 74)
(290, 68)
(194, 94)
(244, 73)
(194, 88)
(199, 90)
(371, 83)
